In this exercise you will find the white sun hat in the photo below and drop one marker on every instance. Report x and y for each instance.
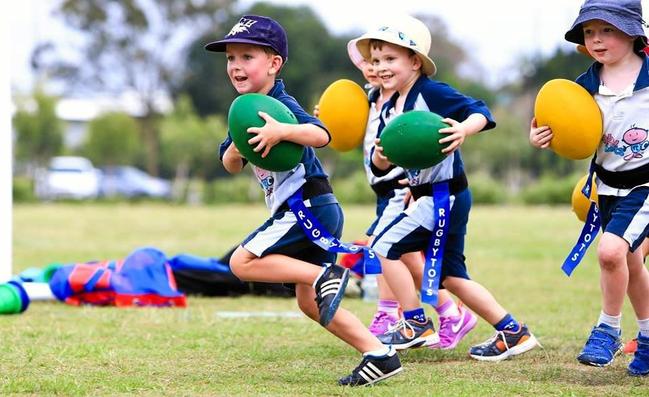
(404, 31)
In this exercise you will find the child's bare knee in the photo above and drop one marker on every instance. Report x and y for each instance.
(610, 258)
(240, 264)
(451, 283)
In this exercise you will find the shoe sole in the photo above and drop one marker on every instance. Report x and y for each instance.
(526, 346)
(335, 303)
(592, 364)
(637, 374)
(430, 341)
(463, 331)
(396, 371)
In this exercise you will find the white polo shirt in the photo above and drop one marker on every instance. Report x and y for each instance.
(625, 138)
(373, 121)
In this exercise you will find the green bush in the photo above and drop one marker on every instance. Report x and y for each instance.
(239, 189)
(550, 190)
(112, 139)
(486, 190)
(353, 189)
(23, 190)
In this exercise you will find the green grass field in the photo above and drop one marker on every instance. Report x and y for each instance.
(516, 252)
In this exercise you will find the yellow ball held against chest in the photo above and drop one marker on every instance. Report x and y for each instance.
(343, 110)
(580, 204)
(573, 115)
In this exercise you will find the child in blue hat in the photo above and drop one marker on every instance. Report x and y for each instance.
(612, 32)
(279, 251)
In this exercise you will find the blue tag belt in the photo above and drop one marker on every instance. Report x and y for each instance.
(320, 236)
(588, 232)
(435, 249)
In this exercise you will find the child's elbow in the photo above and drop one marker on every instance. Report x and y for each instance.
(322, 138)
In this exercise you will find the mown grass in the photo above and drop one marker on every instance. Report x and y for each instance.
(516, 252)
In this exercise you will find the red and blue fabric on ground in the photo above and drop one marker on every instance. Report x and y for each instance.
(144, 278)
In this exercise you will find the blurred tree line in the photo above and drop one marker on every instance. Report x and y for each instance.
(156, 47)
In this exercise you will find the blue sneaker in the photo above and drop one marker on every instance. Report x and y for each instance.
(640, 364)
(602, 346)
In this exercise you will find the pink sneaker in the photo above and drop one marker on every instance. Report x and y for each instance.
(453, 328)
(381, 322)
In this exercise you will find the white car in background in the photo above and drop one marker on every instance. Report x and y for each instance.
(69, 177)
(130, 182)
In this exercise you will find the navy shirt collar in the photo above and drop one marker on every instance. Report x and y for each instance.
(590, 80)
(410, 98)
(277, 89)
(414, 92)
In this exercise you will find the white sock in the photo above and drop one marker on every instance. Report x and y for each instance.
(644, 327)
(448, 309)
(611, 321)
(381, 352)
(389, 306)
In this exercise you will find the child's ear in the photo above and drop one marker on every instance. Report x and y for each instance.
(276, 64)
(417, 65)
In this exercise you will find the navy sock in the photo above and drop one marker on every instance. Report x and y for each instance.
(417, 315)
(508, 323)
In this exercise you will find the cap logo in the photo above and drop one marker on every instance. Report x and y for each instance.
(242, 26)
(408, 42)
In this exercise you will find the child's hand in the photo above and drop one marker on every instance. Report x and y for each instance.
(457, 133)
(267, 136)
(378, 158)
(316, 111)
(540, 137)
(408, 196)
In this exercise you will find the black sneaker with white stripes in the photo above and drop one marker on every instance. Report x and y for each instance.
(329, 290)
(373, 369)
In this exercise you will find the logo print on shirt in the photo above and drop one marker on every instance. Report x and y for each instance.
(413, 176)
(265, 179)
(241, 26)
(636, 138)
(634, 141)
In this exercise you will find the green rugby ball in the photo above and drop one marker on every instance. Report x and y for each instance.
(411, 140)
(243, 114)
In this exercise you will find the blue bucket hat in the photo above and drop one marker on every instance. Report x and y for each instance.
(625, 15)
(255, 29)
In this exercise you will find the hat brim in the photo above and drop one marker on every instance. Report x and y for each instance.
(630, 28)
(219, 46)
(355, 55)
(363, 44)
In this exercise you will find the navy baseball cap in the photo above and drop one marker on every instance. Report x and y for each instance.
(255, 29)
(625, 15)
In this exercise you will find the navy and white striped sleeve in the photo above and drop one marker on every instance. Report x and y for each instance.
(448, 102)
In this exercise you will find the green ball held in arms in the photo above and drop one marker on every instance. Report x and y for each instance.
(244, 113)
(411, 140)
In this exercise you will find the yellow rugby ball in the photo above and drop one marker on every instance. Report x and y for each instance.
(344, 109)
(573, 115)
(580, 204)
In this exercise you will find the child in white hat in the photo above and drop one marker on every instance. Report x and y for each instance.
(398, 52)
(392, 196)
